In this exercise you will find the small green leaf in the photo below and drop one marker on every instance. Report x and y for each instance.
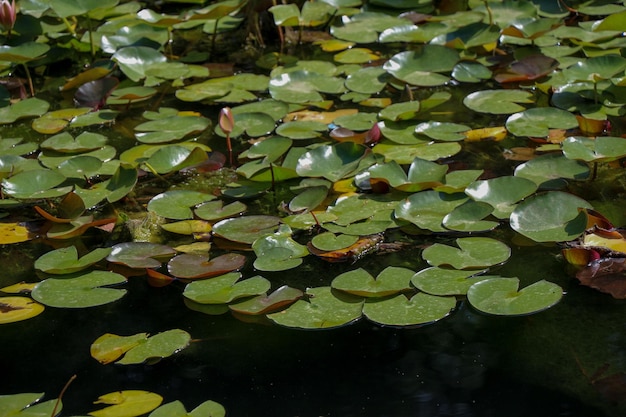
(399, 311)
(500, 296)
(225, 288)
(79, 291)
(472, 253)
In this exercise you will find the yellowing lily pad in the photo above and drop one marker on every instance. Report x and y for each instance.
(14, 309)
(130, 403)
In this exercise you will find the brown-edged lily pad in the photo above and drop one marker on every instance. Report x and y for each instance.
(263, 304)
(191, 266)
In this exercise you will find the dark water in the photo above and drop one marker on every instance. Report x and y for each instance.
(466, 365)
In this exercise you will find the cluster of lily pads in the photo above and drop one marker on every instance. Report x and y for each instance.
(119, 403)
(328, 136)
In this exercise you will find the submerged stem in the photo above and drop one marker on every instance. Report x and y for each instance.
(30, 80)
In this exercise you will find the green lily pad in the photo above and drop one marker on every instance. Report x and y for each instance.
(177, 409)
(469, 217)
(322, 308)
(365, 27)
(502, 193)
(30, 107)
(270, 149)
(538, 121)
(140, 254)
(178, 204)
(79, 291)
(498, 101)
(550, 168)
(15, 147)
(391, 280)
(422, 175)
(66, 260)
(554, 216)
(264, 304)
(170, 128)
(28, 405)
(596, 68)
(172, 158)
(81, 167)
(449, 132)
(225, 288)
(134, 61)
(471, 72)
(405, 154)
(24, 52)
(332, 162)
(427, 209)
(500, 296)
(303, 86)
(424, 65)
(64, 142)
(368, 80)
(472, 253)
(191, 266)
(329, 241)
(216, 210)
(600, 149)
(35, 184)
(246, 229)
(278, 251)
(400, 111)
(253, 124)
(441, 281)
(303, 129)
(399, 311)
(161, 345)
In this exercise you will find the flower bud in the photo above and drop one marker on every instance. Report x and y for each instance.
(8, 14)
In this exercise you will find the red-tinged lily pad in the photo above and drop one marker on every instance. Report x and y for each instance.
(606, 275)
(529, 68)
(472, 253)
(246, 229)
(360, 248)
(322, 308)
(14, 309)
(157, 279)
(501, 296)
(76, 227)
(191, 266)
(128, 403)
(80, 290)
(94, 93)
(225, 288)
(178, 204)
(264, 304)
(140, 254)
(391, 280)
(553, 216)
(68, 209)
(66, 260)
(400, 311)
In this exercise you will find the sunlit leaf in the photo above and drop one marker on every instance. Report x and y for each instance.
(225, 288)
(14, 309)
(129, 403)
(472, 253)
(500, 296)
(399, 311)
(80, 291)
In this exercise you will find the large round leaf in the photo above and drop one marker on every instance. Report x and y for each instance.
(501, 193)
(323, 309)
(427, 209)
(600, 149)
(140, 254)
(35, 184)
(263, 304)
(134, 61)
(424, 65)
(472, 253)
(80, 291)
(498, 101)
(554, 216)
(420, 309)
(225, 288)
(332, 162)
(177, 204)
(246, 229)
(391, 280)
(161, 345)
(538, 121)
(441, 281)
(500, 296)
(192, 266)
(66, 260)
(551, 168)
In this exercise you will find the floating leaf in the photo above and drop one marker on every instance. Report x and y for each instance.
(500, 296)
(423, 66)
(537, 122)
(66, 260)
(441, 281)
(472, 253)
(225, 288)
(322, 309)
(332, 162)
(140, 254)
(551, 168)
(177, 204)
(420, 309)
(110, 347)
(278, 251)
(129, 403)
(79, 291)
(329, 241)
(469, 217)
(502, 193)
(14, 309)
(35, 184)
(28, 405)
(264, 304)
(161, 345)
(427, 209)
(171, 128)
(498, 101)
(600, 149)
(14, 233)
(177, 409)
(391, 280)
(554, 216)
(30, 107)
(246, 229)
(191, 266)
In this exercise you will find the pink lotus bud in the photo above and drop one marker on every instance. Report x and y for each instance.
(8, 14)
(227, 120)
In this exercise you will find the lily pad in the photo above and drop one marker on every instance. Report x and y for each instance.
(391, 280)
(246, 229)
(225, 288)
(443, 281)
(399, 311)
(472, 253)
(500, 296)
(538, 121)
(600, 149)
(171, 128)
(332, 162)
(264, 304)
(128, 403)
(443, 131)
(329, 241)
(177, 409)
(30, 107)
(554, 216)
(423, 66)
(469, 217)
(502, 193)
(427, 209)
(551, 168)
(79, 291)
(14, 309)
(161, 345)
(66, 260)
(177, 204)
(322, 308)
(28, 405)
(140, 254)
(191, 266)
(498, 101)
(278, 251)
(216, 210)
(134, 61)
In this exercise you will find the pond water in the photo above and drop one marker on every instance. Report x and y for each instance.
(569, 360)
